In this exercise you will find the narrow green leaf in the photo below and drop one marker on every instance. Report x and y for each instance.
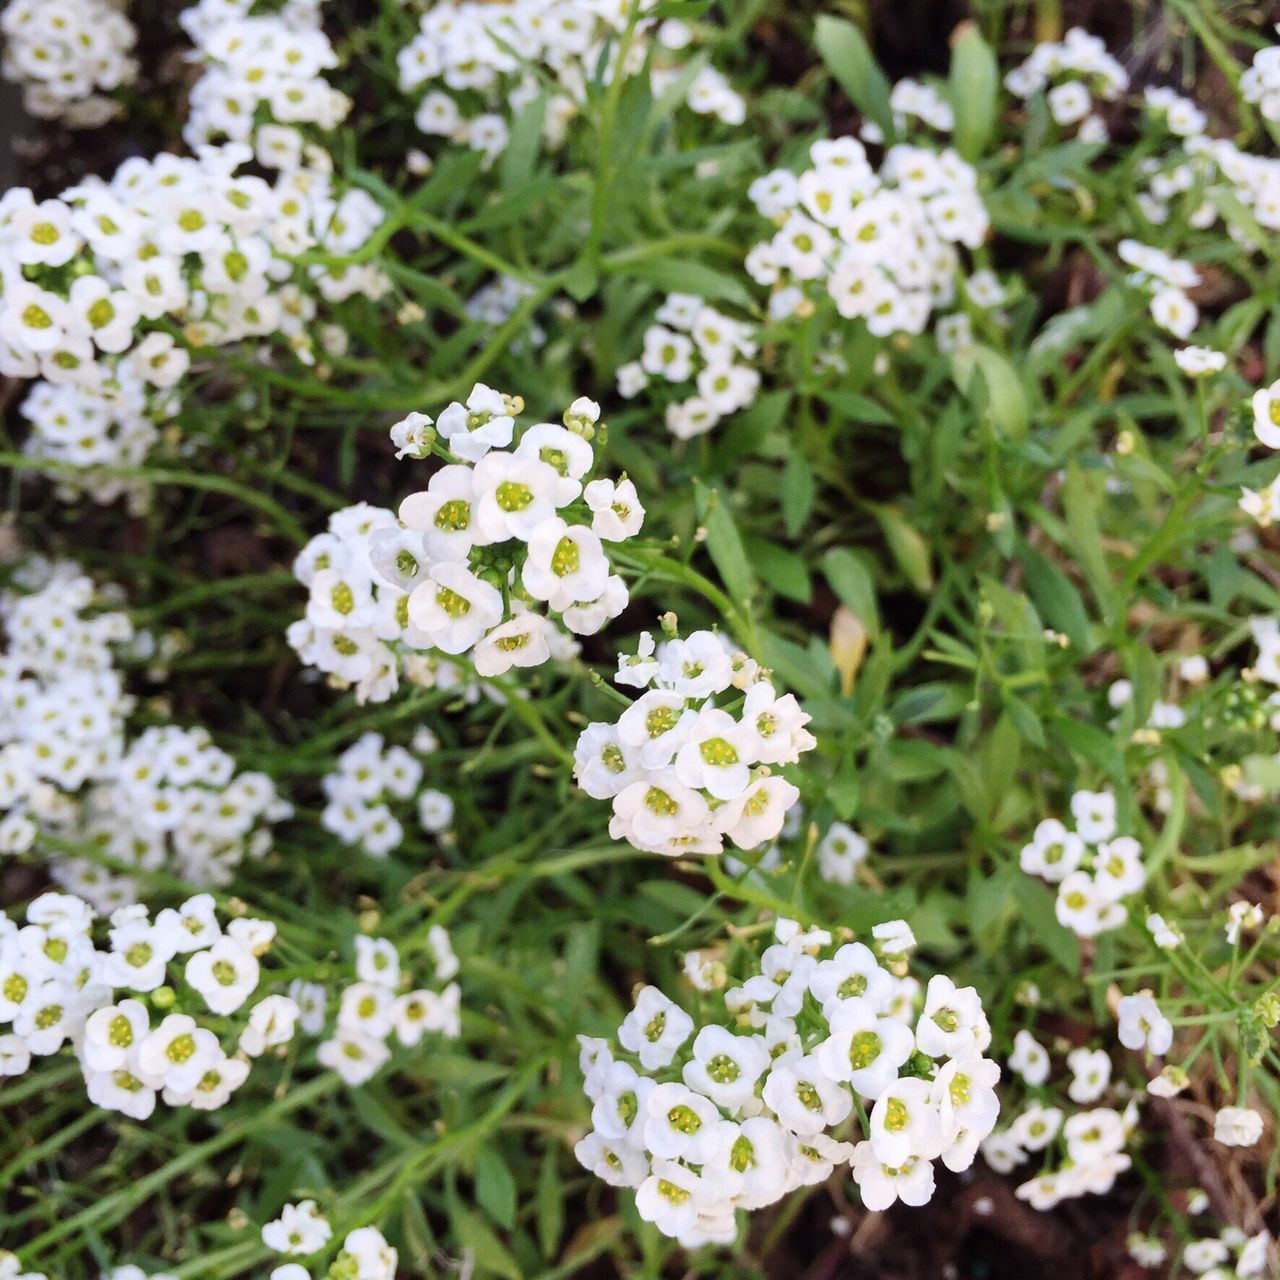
(851, 580)
(724, 544)
(797, 493)
(848, 57)
(975, 86)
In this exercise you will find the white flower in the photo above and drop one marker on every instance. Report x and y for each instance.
(882, 1185)
(905, 1123)
(1034, 1129)
(804, 1098)
(1029, 1058)
(1142, 1025)
(483, 423)
(225, 975)
(952, 1023)
(654, 1029)
(1237, 1126)
(300, 1229)
(454, 608)
(1199, 362)
(1095, 815)
(864, 1050)
(840, 852)
(355, 1055)
(1266, 415)
(272, 1022)
(1166, 936)
(725, 1067)
(1091, 1073)
(1054, 852)
(566, 564)
(616, 510)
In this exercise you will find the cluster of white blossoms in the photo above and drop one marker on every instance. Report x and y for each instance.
(691, 761)
(1078, 68)
(1260, 83)
(69, 775)
(263, 81)
(498, 533)
(94, 282)
(1092, 1140)
(68, 56)
(379, 1004)
(175, 802)
(1230, 1255)
(92, 432)
(476, 65)
(183, 969)
(1166, 279)
(693, 342)
(1094, 869)
(735, 1117)
(882, 243)
(301, 1230)
(62, 701)
(369, 776)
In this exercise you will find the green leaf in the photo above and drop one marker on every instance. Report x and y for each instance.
(676, 897)
(679, 275)
(724, 544)
(844, 49)
(550, 1206)
(797, 493)
(975, 86)
(1056, 599)
(783, 570)
(990, 382)
(857, 408)
(1036, 904)
(851, 581)
(492, 1257)
(909, 548)
(524, 145)
(495, 1187)
(747, 431)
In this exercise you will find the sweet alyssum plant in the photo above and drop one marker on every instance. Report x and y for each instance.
(933, 846)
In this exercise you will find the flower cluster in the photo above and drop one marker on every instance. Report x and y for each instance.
(474, 555)
(693, 342)
(882, 243)
(95, 280)
(58, 986)
(262, 81)
(1260, 83)
(369, 775)
(684, 771)
(703, 1119)
(175, 802)
(1166, 279)
(473, 61)
(90, 433)
(68, 56)
(301, 1229)
(69, 776)
(1082, 69)
(379, 1004)
(1093, 1139)
(1094, 869)
(1232, 1254)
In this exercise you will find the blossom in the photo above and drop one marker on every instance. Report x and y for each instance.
(1142, 1025)
(1237, 1126)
